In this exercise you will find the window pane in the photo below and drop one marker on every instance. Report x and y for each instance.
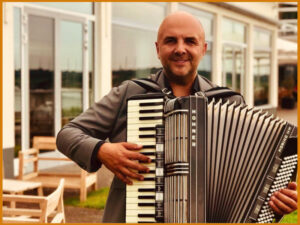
(71, 69)
(41, 70)
(91, 62)
(205, 18)
(205, 66)
(81, 7)
(133, 49)
(17, 65)
(139, 14)
(262, 39)
(262, 69)
(233, 31)
(233, 67)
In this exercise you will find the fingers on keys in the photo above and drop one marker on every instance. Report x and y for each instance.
(284, 201)
(132, 146)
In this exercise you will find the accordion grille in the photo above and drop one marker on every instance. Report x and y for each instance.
(177, 167)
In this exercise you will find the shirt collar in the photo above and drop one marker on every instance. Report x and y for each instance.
(163, 82)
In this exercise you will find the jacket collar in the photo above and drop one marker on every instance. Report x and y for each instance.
(162, 81)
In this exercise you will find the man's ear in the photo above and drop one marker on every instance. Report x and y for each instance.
(204, 48)
(157, 49)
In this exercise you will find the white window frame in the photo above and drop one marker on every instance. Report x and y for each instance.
(244, 49)
(58, 15)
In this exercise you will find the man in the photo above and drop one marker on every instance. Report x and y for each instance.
(180, 47)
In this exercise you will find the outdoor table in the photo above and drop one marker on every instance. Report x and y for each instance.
(19, 186)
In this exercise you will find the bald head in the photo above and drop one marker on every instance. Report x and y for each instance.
(180, 18)
(180, 46)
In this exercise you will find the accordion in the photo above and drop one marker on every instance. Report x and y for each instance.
(215, 161)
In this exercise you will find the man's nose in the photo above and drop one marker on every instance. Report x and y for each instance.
(180, 48)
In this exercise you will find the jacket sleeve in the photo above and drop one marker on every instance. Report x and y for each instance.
(78, 139)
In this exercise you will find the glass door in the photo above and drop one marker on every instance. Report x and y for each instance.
(71, 70)
(233, 67)
(56, 82)
(41, 75)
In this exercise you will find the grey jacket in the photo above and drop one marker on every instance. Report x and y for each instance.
(106, 119)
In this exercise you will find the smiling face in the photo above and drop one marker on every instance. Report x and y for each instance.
(180, 46)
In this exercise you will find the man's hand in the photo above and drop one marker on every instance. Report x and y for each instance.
(118, 157)
(284, 201)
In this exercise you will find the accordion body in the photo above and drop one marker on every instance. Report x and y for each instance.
(212, 161)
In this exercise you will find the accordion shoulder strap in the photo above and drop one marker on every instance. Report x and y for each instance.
(222, 93)
(215, 92)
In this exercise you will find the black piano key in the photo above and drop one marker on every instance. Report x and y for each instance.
(146, 190)
(146, 128)
(150, 118)
(150, 172)
(147, 136)
(149, 178)
(150, 103)
(145, 215)
(151, 110)
(152, 161)
(148, 146)
(148, 153)
(146, 204)
(146, 222)
(146, 197)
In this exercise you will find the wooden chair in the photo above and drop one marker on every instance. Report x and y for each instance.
(81, 181)
(49, 209)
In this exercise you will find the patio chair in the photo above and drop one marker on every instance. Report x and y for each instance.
(81, 180)
(35, 209)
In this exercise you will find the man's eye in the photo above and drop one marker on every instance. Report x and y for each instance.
(169, 40)
(191, 41)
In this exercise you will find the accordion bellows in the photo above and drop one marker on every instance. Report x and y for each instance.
(216, 162)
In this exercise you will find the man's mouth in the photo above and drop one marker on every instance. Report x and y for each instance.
(180, 61)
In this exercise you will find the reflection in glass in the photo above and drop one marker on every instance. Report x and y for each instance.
(41, 67)
(262, 67)
(17, 65)
(233, 67)
(147, 15)
(233, 31)
(71, 69)
(81, 7)
(91, 62)
(133, 53)
(133, 39)
(205, 66)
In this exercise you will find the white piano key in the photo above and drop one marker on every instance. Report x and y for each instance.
(138, 114)
(136, 200)
(137, 108)
(135, 206)
(138, 101)
(149, 141)
(132, 194)
(137, 121)
(130, 212)
(132, 219)
(135, 182)
(136, 132)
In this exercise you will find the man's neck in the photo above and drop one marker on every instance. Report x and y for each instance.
(182, 88)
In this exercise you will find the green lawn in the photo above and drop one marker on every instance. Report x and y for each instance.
(291, 218)
(95, 199)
